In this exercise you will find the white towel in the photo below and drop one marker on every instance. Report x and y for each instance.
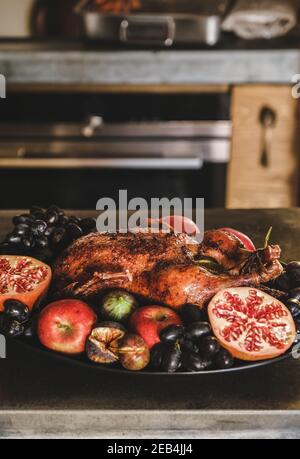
(261, 18)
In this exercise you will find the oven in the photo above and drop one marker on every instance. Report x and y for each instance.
(72, 149)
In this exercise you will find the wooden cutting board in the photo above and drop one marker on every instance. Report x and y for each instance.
(250, 184)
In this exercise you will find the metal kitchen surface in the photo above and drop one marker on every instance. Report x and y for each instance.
(56, 63)
(96, 143)
(103, 143)
(153, 22)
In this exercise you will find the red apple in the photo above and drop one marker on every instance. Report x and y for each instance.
(65, 325)
(148, 321)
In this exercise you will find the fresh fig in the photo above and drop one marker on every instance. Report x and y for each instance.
(134, 352)
(112, 324)
(118, 305)
(102, 345)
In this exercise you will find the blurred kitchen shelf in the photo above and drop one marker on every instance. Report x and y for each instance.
(233, 61)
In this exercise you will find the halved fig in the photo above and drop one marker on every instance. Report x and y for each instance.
(24, 279)
(102, 345)
(251, 324)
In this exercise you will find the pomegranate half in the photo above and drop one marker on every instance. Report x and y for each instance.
(251, 324)
(23, 278)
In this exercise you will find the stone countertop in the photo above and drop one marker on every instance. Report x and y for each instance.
(44, 397)
(77, 63)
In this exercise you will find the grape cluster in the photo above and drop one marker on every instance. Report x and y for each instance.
(43, 233)
(289, 282)
(191, 347)
(16, 320)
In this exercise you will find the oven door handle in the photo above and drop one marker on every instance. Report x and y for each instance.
(176, 163)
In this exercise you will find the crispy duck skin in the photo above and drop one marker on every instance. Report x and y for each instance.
(160, 267)
(228, 251)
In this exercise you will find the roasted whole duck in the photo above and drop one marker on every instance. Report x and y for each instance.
(163, 268)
